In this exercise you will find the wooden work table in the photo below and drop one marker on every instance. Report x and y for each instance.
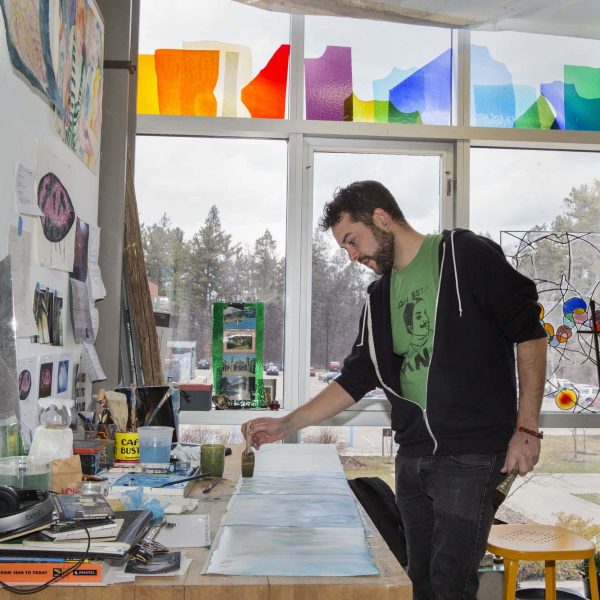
(391, 584)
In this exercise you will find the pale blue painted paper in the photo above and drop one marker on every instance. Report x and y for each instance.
(288, 551)
(319, 484)
(293, 511)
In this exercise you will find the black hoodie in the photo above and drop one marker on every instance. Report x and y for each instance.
(484, 307)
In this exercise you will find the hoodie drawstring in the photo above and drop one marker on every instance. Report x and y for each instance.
(460, 310)
(364, 323)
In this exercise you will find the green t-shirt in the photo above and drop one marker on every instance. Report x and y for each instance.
(413, 294)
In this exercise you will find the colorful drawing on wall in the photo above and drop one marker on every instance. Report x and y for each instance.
(237, 353)
(24, 384)
(28, 39)
(28, 369)
(566, 269)
(80, 262)
(572, 103)
(45, 379)
(58, 214)
(80, 75)
(54, 230)
(212, 79)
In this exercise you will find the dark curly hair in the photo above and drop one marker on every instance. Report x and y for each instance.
(359, 200)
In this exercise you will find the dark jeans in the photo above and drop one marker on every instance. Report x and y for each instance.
(446, 507)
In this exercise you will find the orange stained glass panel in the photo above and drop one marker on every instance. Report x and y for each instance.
(186, 80)
(147, 91)
(264, 96)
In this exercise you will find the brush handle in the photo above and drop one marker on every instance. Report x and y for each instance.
(248, 439)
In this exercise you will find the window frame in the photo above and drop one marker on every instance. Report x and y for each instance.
(306, 137)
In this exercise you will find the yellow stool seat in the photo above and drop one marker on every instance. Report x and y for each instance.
(539, 542)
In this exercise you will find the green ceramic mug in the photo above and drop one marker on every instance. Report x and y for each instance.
(212, 459)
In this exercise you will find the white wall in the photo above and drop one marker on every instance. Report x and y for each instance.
(26, 117)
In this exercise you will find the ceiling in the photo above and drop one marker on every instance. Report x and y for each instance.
(577, 18)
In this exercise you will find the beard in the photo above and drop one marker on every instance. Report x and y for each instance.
(383, 257)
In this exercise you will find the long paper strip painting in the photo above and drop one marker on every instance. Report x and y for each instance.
(295, 484)
(289, 551)
(293, 511)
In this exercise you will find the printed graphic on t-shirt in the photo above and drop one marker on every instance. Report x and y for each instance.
(418, 331)
(413, 293)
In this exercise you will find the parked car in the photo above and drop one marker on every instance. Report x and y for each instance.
(203, 364)
(329, 376)
(272, 369)
(376, 394)
(588, 394)
(335, 365)
(312, 371)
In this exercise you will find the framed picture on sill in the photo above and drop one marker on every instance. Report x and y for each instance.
(239, 341)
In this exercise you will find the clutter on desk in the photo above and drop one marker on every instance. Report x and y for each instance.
(53, 438)
(160, 564)
(66, 475)
(131, 531)
(24, 472)
(76, 507)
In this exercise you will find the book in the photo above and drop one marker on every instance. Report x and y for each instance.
(32, 571)
(76, 507)
(75, 531)
(151, 482)
(135, 525)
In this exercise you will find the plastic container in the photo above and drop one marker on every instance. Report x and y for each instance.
(25, 473)
(212, 459)
(155, 444)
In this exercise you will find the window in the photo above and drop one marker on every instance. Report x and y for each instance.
(546, 207)
(213, 226)
(339, 288)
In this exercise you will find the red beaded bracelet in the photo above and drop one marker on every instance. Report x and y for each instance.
(537, 434)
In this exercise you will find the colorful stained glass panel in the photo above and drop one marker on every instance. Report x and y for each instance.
(403, 77)
(534, 81)
(221, 59)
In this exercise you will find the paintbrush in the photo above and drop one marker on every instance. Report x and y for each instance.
(248, 455)
(193, 478)
(502, 490)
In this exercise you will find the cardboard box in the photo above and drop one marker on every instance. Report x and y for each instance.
(195, 397)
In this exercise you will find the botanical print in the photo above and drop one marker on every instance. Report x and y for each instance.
(80, 75)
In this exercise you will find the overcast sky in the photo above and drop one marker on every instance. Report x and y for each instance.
(246, 179)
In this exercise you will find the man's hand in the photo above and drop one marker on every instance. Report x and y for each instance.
(266, 430)
(327, 403)
(523, 453)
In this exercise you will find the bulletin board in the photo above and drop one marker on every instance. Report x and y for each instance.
(51, 74)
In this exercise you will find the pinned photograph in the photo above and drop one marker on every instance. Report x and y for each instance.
(46, 374)
(239, 316)
(239, 341)
(239, 364)
(62, 377)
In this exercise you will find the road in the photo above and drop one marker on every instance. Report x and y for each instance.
(544, 495)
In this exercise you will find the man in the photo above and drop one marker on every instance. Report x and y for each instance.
(437, 334)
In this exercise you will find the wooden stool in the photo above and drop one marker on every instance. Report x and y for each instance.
(539, 542)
